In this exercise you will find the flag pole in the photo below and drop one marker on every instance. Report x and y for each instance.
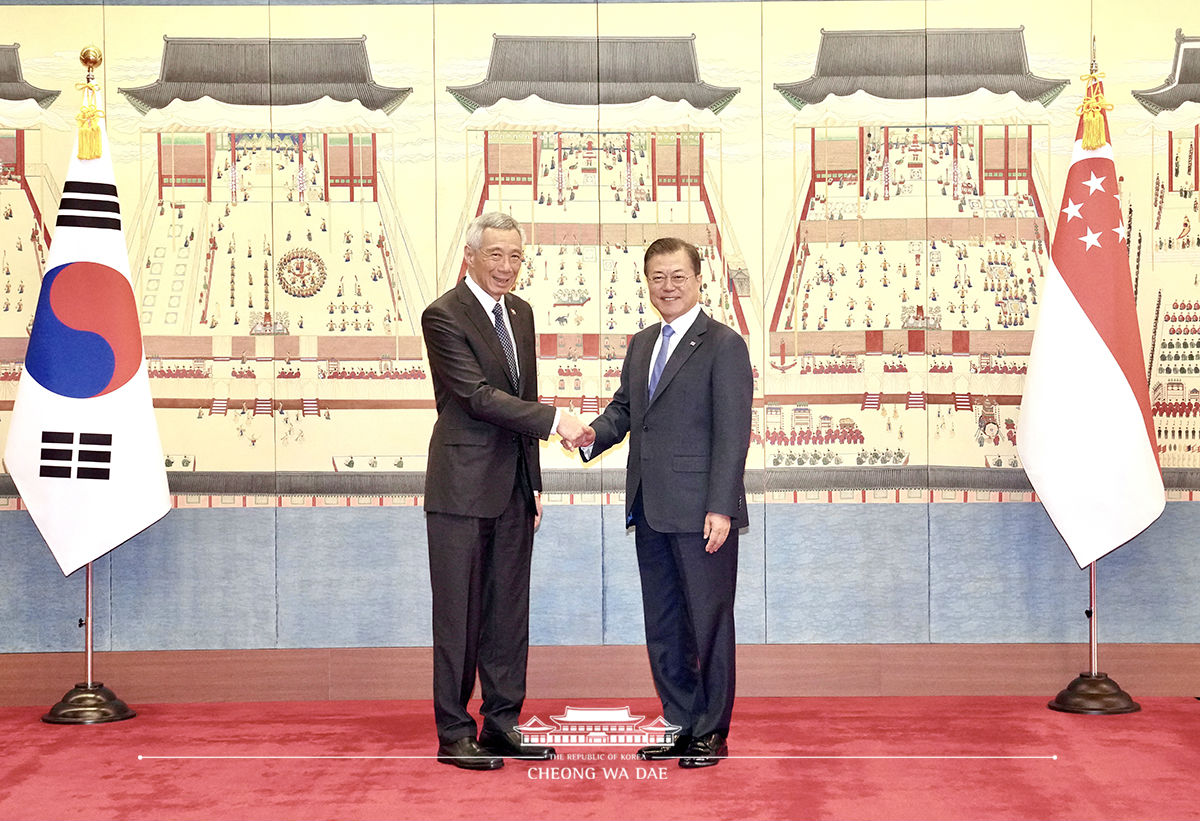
(1093, 631)
(1095, 309)
(88, 702)
(1093, 692)
(87, 617)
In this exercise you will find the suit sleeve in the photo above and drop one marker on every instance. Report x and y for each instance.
(612, 425)
(733, 396)
(456, 362)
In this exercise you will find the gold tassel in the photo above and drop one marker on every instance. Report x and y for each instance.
(89, 123)
(1092, 111)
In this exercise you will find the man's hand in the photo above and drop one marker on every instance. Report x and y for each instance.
(573, 432)
(587, 438)
(537, 517)
(716, 530)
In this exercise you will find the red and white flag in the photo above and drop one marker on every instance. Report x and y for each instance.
(83, 446)
(1086, 435)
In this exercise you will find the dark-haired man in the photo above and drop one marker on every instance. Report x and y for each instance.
(685, 401)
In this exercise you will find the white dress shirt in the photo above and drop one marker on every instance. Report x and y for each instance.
(680, 325)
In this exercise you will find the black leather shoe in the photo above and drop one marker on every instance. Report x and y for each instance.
(705, 751)
(662, 751)
(509, 745)
(467, 754)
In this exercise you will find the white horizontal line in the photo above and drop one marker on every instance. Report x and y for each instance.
(907, 757)
(277, 757)
(566, 759)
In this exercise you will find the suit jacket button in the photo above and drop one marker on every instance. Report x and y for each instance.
(645, 427)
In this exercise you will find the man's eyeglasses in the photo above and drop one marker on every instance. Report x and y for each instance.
(678, 280)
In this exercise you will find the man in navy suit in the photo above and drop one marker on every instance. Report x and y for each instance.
(685, 399)
(482, 496)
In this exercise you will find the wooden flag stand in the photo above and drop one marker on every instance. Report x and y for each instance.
(88, 702)
(1093, 693)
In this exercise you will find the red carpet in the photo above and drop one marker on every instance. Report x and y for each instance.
(850, 758)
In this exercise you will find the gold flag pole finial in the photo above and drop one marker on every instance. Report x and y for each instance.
(89, 113)
(1093, 106)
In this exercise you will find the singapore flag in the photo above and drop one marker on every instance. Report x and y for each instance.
(83, 446)
(1086, 436)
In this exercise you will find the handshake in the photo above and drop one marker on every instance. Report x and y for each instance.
(574, 433)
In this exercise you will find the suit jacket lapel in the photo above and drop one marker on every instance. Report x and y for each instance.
(484, 324)
(683, 349)
(639, 378)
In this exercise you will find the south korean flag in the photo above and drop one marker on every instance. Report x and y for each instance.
(83, 445)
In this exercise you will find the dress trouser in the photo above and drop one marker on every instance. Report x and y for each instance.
(479, 571)
(687, 601)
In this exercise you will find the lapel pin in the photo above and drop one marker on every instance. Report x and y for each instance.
(692, 343)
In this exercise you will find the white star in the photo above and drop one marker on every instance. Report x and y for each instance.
(1095, 183)
(1119, 231)
(1072, 209)
(1090, 240)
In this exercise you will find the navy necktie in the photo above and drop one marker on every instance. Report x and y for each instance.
(505, 341)
(660, 361)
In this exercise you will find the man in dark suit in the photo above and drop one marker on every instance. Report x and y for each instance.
(482, 496)
(685, 399)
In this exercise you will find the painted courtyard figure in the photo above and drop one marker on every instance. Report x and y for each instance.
(685, 400)
(482, 496)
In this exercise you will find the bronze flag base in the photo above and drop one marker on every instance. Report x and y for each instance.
(88, 704)
(1094, 694)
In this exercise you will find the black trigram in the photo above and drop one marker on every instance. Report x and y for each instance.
(59, 454)
(89, 205)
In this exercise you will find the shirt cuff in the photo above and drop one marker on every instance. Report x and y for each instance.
(557, 418)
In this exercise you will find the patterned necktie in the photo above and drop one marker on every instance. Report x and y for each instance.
(505, 341)
(660, 361)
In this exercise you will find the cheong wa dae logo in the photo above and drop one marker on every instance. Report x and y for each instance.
(597, 726)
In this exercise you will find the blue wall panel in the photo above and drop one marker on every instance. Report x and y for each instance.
(808, 573)
(1001, 573)
(39, 607)
(751, 607)
(622, 587)
(847, 573)
(1149, 590)
(566, 588)
(353, 577)
(197, 580)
